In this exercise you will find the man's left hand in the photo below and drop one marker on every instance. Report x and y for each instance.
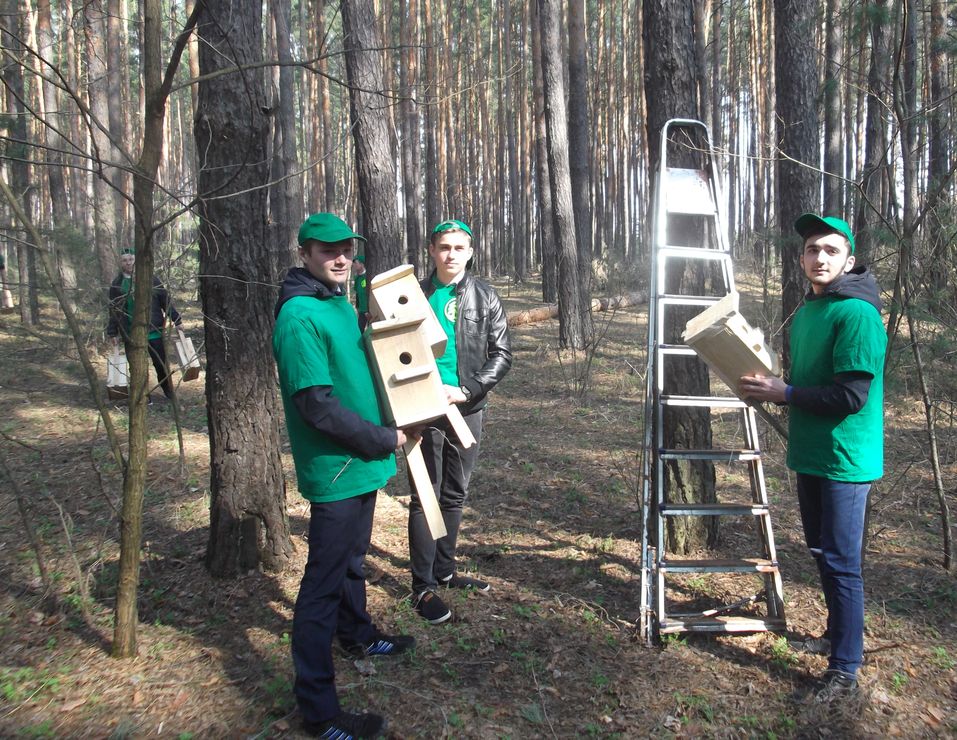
(454, 394)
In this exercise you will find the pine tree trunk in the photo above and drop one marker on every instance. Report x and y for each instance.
(572, 316)
(375, 166)
(798, 183)
(544, 189)
(248, 523)
(579, 133)
(833, 146)
(672, 93)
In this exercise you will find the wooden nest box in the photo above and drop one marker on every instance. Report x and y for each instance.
(722, 337)
(404, 339)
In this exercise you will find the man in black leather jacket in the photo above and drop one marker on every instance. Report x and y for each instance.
(121, 318)
(476, 358)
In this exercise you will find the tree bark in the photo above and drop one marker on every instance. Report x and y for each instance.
(374, 164)
(545, 217)
(874, 172)
(248, 522)
(573, 318)
(104, 215)
(833, 146)
(579, 134)
(56, 144)
(411, 152)
(798, 182)
(672, 92)
(285, 197)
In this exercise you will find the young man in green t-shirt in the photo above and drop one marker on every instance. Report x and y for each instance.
(477, 356)
(343, 455)
(835, 442)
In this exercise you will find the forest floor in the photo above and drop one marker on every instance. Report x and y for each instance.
(553, 522)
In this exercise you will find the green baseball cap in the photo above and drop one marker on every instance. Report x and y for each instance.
(450, 225)
(325, 227)
(128, 250)
(811, 225)
(359, 257)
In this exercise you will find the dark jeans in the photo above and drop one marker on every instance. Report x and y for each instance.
(833, 516)
(331, 601)
(450, 468)
(157, 353)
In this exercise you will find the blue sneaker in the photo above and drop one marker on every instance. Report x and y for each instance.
(347, 726)
(381, 644)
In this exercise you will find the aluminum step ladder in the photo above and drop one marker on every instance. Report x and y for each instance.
(687, 201)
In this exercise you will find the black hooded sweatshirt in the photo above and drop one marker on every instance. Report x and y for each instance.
(316, 404)
(848, 393)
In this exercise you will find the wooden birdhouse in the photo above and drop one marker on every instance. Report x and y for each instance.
(722, 337)
(405, 366)
(396, 294)
(403, 341)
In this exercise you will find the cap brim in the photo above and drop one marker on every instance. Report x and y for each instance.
(810, 224)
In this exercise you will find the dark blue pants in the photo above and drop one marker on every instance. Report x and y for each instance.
(450, 469)
(833, 516)
(331, 601)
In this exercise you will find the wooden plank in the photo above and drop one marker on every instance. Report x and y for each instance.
(457, 422)
(423, 488)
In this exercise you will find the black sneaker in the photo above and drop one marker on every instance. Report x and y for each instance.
(431, 608)
(348, 726)
(383, 645)
(835, 684)
(472, 584)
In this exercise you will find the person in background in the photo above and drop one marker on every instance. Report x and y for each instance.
(360, 288)
(121, 318)
(343, 455)
(477, 356)
(836, 423)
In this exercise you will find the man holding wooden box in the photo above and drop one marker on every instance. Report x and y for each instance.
(835, 445)
(343, 455)
(477, 356)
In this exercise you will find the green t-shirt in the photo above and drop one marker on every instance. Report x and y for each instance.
(360, 286)
(444, 304)
(317, 342)
(833, 335)
(127, 287)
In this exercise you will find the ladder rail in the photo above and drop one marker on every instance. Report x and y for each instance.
(704, 199)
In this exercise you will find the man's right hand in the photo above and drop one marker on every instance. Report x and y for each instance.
(763, 389)
(409, 434)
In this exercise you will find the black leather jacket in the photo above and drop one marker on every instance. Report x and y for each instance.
(481, 338)
(161, 307)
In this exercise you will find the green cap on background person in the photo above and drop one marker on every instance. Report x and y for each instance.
(128, 250)
(451, 224)
(325, 227)
(811, 225)
(359, 257)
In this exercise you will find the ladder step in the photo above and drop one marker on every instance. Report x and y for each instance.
(716, 455)
(672, 625)
(705, 253)
(713, 509)
(677, 349)
(744, 565)
(713, 402)
(676, 299)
